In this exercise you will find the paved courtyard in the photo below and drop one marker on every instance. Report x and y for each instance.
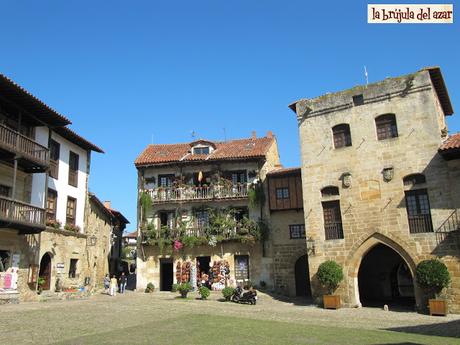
(162, 318)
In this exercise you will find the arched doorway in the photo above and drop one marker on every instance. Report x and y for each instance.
(385, 278)
(302, 277)
(45, 271)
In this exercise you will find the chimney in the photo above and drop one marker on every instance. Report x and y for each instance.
(270, 134)
(107, 204)
(254, 135)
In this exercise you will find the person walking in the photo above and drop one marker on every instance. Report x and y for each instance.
(123, 281)
(106, 284)
(113, 286)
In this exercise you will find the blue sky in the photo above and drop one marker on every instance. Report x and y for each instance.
(128, 71)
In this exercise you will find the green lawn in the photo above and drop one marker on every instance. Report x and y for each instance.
(219, 330)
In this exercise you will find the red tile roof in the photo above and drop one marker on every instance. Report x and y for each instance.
(453, 142)
(233, 149)
(130, 235)
(284, 171)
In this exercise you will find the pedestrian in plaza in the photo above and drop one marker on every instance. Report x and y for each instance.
(113, 286)
(106, 284)
(123, 281)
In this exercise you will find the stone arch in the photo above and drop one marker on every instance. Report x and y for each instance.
(362, 247)
(45, 270)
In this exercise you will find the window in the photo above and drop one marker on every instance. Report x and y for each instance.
(201, 150)
(241, 267)
(4, 260)
(166, 219)
(73, 169)
(418, 211)
(202, 218)
(71, 210)
(5, 191)
(239, 177)
(358, 100)
(240, 214)
(342, 136)
(386, 126)
(51, 204)
(329, 191)
(282, 193)
(332, 220)
(297, 231)
(73, 268)
(165, 180)
(54, 158)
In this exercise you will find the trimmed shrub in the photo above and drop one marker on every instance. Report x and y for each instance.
(432, 275)
(204, 292)
(227, 293)
(184, 289)
(330, 275)
(150, 288)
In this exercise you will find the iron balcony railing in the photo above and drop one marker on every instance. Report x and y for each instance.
(451, 224)
(14, 141)
(420, 223)
(192, 193)
(334, 230)
(17, 212)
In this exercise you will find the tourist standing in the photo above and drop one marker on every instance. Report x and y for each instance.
(106, 284)
(113, 286)
(123, 281)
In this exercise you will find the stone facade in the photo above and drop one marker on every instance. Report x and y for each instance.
(373, 199)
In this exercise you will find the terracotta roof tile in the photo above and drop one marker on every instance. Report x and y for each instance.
(453, 142)
(284, 171)
(233, 149)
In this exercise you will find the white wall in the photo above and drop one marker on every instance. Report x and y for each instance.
(61, 184)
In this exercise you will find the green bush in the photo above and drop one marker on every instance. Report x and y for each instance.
(330, 275)
(204, 292)
(432, 275)
(227, 293)
(150, 288)
(184, 289)
(174, 287)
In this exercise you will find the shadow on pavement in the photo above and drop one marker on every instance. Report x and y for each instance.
(444, 329)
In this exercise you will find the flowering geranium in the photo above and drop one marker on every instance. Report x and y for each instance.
(177, 245)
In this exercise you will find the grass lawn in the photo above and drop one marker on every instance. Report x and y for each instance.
(219, 330)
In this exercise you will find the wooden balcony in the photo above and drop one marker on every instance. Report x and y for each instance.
(19, 215)
(193, 193)
(32, 156)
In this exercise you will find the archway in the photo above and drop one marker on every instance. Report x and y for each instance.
(302, 277)
(45, 271)
(385, 278)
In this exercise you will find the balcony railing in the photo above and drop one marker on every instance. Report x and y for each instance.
(420, 223)
(202, 232)
(449, 226)
(192, 193)
(20, 213)
(14, 141)
(334, 230)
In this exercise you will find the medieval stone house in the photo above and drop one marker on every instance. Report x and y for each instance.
(380, 186)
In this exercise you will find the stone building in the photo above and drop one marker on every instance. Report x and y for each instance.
(287, 232)
(380, 189)
(201, 205)
(44, 171)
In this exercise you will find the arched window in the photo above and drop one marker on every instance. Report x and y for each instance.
(342, 136)
(386, 126)
(329, 191)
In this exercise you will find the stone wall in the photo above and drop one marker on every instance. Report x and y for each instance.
(373, 210)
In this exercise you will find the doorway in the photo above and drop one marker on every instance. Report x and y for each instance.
(203, 264)
(45, 271)
(166, 274)
(385, 278)
(302, 277)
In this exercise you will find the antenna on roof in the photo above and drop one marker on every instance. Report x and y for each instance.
(225, 134)
(366, 75)
(193, 134)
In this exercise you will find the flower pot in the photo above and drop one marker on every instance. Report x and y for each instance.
(438, 307)
(183, 294)
(331, 301)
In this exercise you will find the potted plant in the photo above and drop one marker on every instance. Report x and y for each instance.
(150, 288)
(204, 292)
(184, 289)
(432, 276)
(40, 282)
(227, 293)
(330, 275)
(174, 287)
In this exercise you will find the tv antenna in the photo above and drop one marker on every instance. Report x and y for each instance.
(366, 75)
(193, 134)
